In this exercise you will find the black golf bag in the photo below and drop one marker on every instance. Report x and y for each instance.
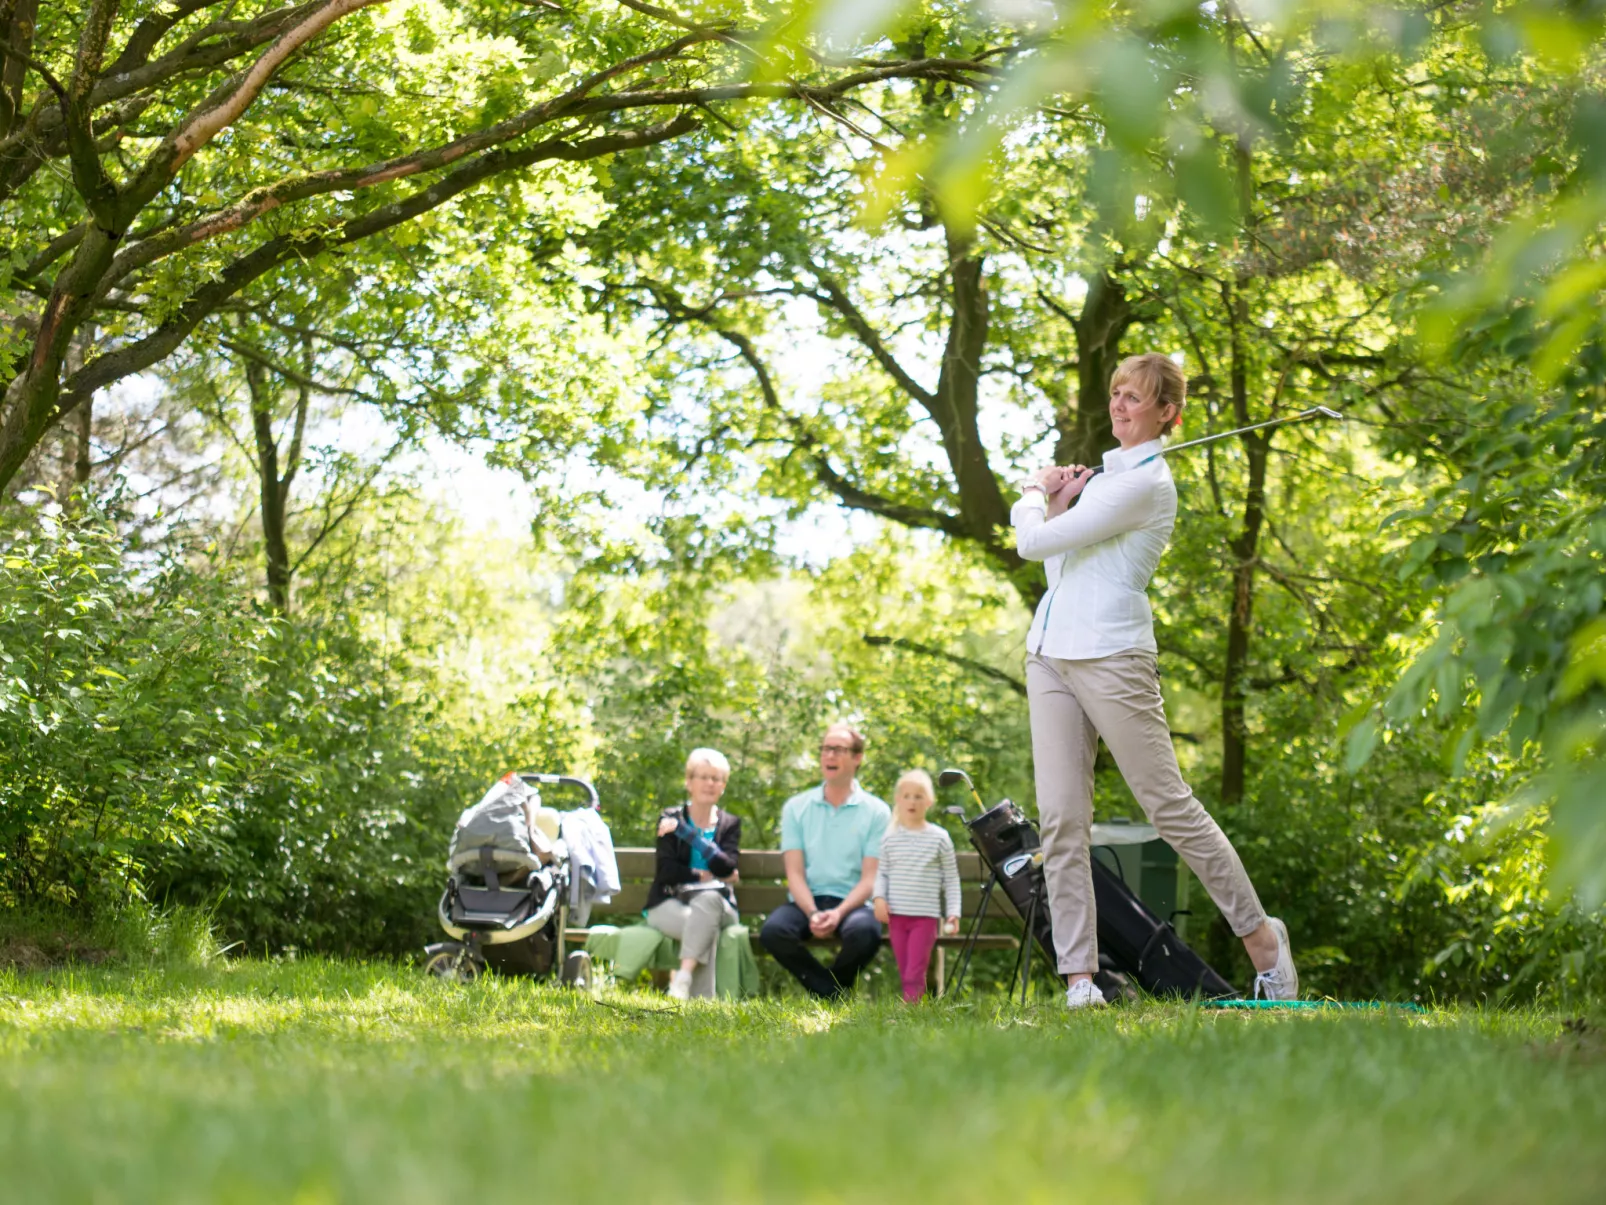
(1134, 943)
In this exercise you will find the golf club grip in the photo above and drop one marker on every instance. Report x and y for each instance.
(1096, 471)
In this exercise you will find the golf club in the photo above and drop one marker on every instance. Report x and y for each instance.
(1313, 412)
(948, 777)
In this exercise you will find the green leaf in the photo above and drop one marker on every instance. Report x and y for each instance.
(1362, 742)
(1560, 349)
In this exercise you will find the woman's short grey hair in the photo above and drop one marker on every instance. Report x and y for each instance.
(712, 758)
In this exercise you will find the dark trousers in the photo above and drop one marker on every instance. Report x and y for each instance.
(787, 929)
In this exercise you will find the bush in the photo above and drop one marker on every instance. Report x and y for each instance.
(127, 713)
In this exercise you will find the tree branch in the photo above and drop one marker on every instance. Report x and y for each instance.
(263, 200)
(227, 104)
(96, 188)
(44, 72)
(43, 136)
(151, 30)
(17, 30)
(299, 379)
(357, 495)
(926, 650)
(837, 298)
(845, 491)
(141, 354)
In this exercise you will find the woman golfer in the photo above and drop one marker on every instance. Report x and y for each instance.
(1090, 672)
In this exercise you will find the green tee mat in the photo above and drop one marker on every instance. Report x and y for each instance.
(636, 948)
(1312, 1004)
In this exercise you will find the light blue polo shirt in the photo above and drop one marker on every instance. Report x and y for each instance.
(835, 840)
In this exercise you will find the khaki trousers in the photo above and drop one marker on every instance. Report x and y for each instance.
(1073, 703)
(696, 924)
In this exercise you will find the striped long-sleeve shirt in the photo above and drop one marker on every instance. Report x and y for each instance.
(917, 864)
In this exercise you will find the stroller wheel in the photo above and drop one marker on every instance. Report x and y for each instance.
(577, 971)
(452, 961)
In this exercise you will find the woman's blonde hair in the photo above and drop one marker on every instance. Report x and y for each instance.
(926, 785)
(1158, 376)
(712, 758)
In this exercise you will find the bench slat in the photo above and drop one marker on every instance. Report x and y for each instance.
(763, 898)
(637, 863)
(763, 884)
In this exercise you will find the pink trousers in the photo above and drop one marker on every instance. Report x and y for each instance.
(913, 938)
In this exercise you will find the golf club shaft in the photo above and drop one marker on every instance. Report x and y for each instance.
(1313, 412)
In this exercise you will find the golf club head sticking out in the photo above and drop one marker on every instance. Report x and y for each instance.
(952, 775)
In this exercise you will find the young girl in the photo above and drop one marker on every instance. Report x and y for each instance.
(917, 859)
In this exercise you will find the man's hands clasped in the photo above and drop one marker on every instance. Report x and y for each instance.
(824, 922)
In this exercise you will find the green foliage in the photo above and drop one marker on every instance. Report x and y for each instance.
(1517, 542)
(134, 933)
(296, 779)
(399, 723)
(127, 711)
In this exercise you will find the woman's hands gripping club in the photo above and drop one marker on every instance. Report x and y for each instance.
(1062, 485)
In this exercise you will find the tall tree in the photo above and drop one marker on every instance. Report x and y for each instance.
(934, 325)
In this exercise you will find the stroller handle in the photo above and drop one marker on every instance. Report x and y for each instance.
(533, 779)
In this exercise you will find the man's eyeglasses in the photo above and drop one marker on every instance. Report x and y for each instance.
(844, 750)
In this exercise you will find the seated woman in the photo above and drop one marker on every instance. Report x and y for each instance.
(691, 897)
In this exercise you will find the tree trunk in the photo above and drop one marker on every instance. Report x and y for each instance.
(1245, 545)
(17, 23)
(76, 460)
(33, 397)
(958, 398)
(957, 407)
(1084, 433)
(84, 414)
(84, 425)
(272, 489)
(1245, 548)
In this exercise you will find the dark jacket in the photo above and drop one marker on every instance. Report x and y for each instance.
(674, 855)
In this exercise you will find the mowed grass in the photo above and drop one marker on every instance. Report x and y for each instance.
(321, 1082)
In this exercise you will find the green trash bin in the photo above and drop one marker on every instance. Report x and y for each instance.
(1146, 864)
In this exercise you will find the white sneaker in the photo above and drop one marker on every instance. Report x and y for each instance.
(1082, 994)
(680, 985)
(1282, 981)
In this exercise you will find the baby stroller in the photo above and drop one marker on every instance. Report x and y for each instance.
(508, 878)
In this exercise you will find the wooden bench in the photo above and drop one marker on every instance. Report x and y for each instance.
(762, 889)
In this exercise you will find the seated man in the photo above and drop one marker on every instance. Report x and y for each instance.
(830, 847)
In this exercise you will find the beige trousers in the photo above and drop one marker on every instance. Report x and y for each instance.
(1073, 703)
(696, 924)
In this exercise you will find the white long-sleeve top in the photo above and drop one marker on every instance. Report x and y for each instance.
(1099, 556)
(918, 872)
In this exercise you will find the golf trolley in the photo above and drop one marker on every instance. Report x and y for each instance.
(505, 902)
(1136, 947)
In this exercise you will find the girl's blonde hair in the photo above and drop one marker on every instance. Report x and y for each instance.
(926, 785)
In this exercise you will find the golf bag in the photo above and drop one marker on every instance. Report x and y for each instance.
(1134, 943)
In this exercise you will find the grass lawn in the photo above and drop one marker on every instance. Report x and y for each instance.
(320, 1082)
